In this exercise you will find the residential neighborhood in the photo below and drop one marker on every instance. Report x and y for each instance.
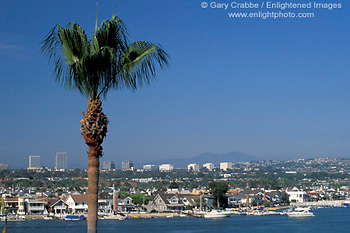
(130, 190)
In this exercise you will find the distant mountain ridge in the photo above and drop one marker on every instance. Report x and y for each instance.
(208, 158)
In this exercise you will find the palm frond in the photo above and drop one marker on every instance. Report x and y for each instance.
(113, 34)
(66, 47)
(74, 43)
(106, 61)
(139, 62)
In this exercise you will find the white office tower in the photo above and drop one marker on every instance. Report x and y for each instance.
(3, 166)
(34, 161)
(226, 165)
(193, 167)
(209, 166)
(166, 167)
(61, 160)
(108, 165)
(127, 165)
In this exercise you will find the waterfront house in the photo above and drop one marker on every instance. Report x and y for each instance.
(56, 206)
(161, 202)
(296, 195)
(193, 201)
(234, 200)
(125, 204)
(77, 203)
(33, 206)
(11, 204)
(105, 203)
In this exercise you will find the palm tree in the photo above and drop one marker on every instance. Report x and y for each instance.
(94, 67)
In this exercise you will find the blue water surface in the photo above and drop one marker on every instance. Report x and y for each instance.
(325, 220)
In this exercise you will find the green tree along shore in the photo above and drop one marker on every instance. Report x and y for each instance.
(219, 189)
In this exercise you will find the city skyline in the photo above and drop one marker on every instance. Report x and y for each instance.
(52, 163)
(268, 88)
(224, 165)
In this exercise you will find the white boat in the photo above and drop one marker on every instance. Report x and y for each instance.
(114, 217)
(12, 218)
(216, 214)
(48, 218)
(300, 212)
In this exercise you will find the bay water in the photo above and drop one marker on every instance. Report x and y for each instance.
(325, 220)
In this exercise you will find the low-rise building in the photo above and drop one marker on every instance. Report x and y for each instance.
(193, 167)
(209, 166)
(225, 166)
(166, 167)
(161, 202)
(296, 195)
(57, 206)
(149, 167)
(77, 203)
(33, 206)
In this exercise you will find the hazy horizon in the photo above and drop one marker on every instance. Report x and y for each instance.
(50, 163)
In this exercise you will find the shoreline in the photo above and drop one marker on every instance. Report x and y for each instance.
(335, 204)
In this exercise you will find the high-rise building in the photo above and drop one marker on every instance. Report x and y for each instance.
(108, 165)
(193, 167)
(226, 165)
(4, 166)
(166, 167)
(149, 167)
(209, 166)
(61, 160)
(34, 161)
(127, 165)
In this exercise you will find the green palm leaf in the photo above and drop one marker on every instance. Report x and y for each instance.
(105, 62)
(139, 63)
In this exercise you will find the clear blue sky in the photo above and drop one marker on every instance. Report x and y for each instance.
(269, 88)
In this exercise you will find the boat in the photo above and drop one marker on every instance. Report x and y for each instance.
(114, 217)
(216, 214)
(12, 218)
(71, 218)
(48, 218)
(74, 217)
(170, 216)
(300, 212)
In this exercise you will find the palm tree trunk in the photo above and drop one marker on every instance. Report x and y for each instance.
(93, 178)
(94, 129)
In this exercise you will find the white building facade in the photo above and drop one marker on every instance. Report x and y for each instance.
(226, 165)
(34, 161)
(61, 160)
(149, 167)
(296, 195)
(108, 165)
(166, 167)
(209, 166)
(193, 167)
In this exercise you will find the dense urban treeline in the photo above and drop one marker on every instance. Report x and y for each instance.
(262, 174)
